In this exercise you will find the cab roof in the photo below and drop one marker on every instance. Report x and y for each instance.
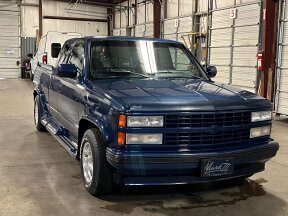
(125, 38)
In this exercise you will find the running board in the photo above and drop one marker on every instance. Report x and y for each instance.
(60, 134)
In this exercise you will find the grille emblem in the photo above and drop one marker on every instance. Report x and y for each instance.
(213, 129)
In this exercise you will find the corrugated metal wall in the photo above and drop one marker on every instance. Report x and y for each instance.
(124, 19)
(281, 97)
(234, 43)
(28, 45)
(9, 39)
(178, 11)
(29, 18)
(86, 28)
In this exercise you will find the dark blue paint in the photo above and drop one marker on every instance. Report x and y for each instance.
(66, 102)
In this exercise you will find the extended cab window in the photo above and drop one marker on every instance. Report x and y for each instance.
(138, 59)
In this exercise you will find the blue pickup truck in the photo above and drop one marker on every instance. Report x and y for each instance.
(138, 111)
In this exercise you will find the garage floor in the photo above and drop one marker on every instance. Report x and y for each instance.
(38, 177)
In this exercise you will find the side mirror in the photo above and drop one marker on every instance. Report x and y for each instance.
(211, 71)
(67, 70)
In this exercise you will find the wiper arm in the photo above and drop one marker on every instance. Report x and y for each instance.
(196, 77)
(126, 71)
(167, 71)
(171, 72)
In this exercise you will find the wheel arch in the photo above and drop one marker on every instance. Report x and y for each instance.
(84, 125)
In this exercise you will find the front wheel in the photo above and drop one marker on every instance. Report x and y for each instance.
(96, 173)
(38, 115)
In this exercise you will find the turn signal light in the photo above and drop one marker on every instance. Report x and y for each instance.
(122, 121)
(121, 138)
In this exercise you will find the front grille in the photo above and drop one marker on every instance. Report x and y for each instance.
(208, 128)
(206, 120)
(203, 138)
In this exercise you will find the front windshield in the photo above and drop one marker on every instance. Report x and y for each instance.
(142, 59)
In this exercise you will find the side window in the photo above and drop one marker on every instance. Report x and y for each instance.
(63, 55)
(55, 49)
(76, 56)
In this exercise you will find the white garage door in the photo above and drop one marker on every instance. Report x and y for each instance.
(281, 98)
(234, 44)
(9, 39)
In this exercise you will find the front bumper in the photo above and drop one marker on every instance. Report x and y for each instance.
(138, 168)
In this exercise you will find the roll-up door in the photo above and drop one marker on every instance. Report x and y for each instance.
(9, 39)
(220, 47)
(144, 30)
(281, 97)
(245, 48)
(171, 31)
(234, 44)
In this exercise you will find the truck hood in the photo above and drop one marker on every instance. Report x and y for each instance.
(180, 94)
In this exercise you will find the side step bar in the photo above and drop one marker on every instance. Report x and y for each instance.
(59, 134)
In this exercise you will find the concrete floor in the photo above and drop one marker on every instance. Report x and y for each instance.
(38, 177)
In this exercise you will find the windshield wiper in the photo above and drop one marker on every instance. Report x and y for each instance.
(175, 72)
(126, 71)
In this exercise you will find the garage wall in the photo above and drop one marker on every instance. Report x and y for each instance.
(62, 9)
(181, 12)
(124, 19)
(29, 18)
(9, 39)
(281, 97)
(234, 42)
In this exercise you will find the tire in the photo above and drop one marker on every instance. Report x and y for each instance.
(38, 115)
(99, 180)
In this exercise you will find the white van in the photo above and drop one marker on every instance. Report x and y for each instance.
(49, 48)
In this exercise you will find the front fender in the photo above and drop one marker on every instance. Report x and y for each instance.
(102, 123)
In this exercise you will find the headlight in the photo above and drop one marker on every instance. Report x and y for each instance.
(145, 121)
(260, 131)
(261, 116)
(144, 138)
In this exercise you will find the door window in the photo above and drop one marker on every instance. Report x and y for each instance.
(76, 56)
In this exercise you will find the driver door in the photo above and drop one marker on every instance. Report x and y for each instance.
(69, 95)
(56, 85)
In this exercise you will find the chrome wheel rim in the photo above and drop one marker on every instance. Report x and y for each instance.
(87, 162)
(36, 114)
